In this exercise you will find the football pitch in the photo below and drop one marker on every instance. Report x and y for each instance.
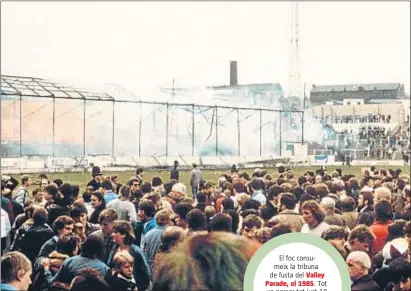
(81, 179)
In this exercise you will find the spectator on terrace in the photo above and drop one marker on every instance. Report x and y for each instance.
(152, 240)
(61, 205)
(91, 251)
(123, 237)
(99, 204)
(22, 193)
(123, 207)
(313, 216)
(379, 228)
(34, 238)
(63, 225)
(359, 265)
(331, 218)
(107, 188)
(361, 239)
(16, 272)
(140, 175)
(257, 187)
(97, 177)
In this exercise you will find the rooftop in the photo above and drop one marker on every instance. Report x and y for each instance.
(355, 87)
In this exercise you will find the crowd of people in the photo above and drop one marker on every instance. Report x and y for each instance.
(370, 118)
(154, 235)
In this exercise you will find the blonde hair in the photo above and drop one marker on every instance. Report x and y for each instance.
(382, 193)
(14, 265)
(121, 258)
(242, 198)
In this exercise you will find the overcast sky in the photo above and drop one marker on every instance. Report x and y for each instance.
(139, 45)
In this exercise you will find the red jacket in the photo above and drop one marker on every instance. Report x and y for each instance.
(380, 230)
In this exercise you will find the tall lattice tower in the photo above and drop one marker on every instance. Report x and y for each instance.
(294, 86)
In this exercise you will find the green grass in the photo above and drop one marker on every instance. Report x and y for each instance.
(81, 179)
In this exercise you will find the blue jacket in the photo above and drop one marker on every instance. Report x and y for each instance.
(7, 287)
(141, 269)
(110, 196)
(71, 266)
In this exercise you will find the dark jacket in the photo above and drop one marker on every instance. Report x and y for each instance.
(47, 248)
(33, 240)
(96, 185)
(141, 269)
(174, 174)
(365, 283)
(117, 282)
(94, 216)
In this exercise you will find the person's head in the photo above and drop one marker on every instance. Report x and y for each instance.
(257, 185)
(125, 192)
(39, 216)
(107, 185)
(227, 203)
(97, 200)
(16, 270)
(134, 184)
(250, 225)
(348, 204)
(58, 182)
(369, 181)
(114, 179)
(89, 279)
(181, 210)
(336, 235)
(65, 195)
(365, 199)
(221, 222)
(68, 245)
(328, 203)
(263, 235)
(146, 210)
(383, 211)
(280, 228)
(252, 204)
(38, 195)
(26, 181)
(287, 201)
(361, 239)
(400, 271)
(395, 229)
(366, 217)
(96, 173)
(50, 193)
(171, 237)
(201, 270)
(382, 193)
(63, 225)
(156, 181)
(123, 232)
(313, 213)
(196, 220)
(163, 217)
(209, 211)
(140, 172)
(106, 219)
(242, 199)
(359, 264)
(123, 263)
(146, 188)
(79, 214)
